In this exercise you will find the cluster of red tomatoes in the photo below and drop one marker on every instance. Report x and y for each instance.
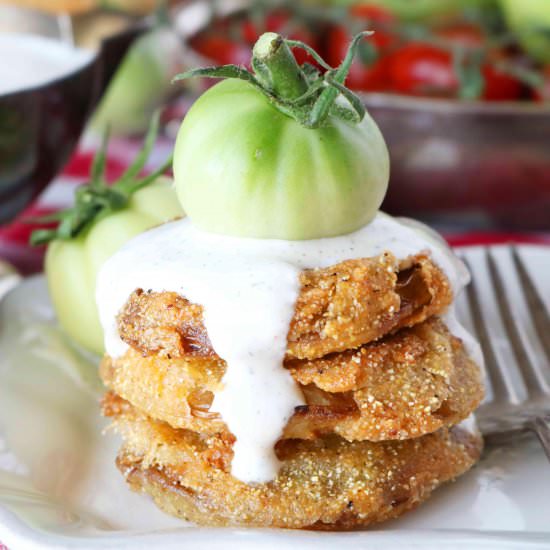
(387, 61)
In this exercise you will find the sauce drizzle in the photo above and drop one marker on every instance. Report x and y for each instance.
(248, 289)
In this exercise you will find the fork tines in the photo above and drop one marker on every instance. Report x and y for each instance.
(512, 324)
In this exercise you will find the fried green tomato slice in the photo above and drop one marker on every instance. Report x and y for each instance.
(328, 483)
(338, 308)
(405, 385)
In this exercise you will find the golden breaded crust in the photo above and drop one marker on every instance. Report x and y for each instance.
(178, 391)
(338, 308)
(328, 483)
(405, 385)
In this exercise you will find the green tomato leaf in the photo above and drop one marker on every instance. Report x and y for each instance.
(343, 69)
(141, 158)
(326, 99)
(312, 74)
(96, 200)
(312, 92)
(353, 99)
(224, 71)
(300, 92)
(42, 236)
(310, 51)
(97, 175)
(131, 187)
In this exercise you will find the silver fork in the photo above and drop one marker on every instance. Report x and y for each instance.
(504, 309)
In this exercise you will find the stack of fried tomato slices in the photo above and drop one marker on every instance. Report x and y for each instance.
(386, 386)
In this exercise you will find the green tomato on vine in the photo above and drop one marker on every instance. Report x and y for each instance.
(102, 220)
(285, 152)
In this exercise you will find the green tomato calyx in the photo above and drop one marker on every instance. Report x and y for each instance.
(96, 199)
(276, 68)
(302, 92)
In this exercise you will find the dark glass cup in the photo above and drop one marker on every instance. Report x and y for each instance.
(40, 126)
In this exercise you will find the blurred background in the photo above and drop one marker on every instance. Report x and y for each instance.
(460, 89)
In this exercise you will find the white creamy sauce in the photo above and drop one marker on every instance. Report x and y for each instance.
(248, 289)
(27, 61)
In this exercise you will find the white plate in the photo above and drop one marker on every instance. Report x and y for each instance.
(59, 487)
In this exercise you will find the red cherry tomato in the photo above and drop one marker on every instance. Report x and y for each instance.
(499, 86)
(424, 70)
(365, 74)
(282, 22)
(222, 49)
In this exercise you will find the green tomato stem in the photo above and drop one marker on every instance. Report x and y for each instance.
(276, 67)
(326, 100)
(304, 93)
(96, 199)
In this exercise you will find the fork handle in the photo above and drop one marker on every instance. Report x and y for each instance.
(542, 429)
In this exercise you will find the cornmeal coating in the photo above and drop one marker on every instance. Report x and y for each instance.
(338, 308)
(405, 385)
(328, 483)
(178, 391)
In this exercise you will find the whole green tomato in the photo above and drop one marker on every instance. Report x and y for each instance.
(141, 83)
(530, 20)
(72, 265)
(245, 168)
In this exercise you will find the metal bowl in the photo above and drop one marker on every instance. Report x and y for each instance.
(40, 126)
(478, 164)
(475, 164)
